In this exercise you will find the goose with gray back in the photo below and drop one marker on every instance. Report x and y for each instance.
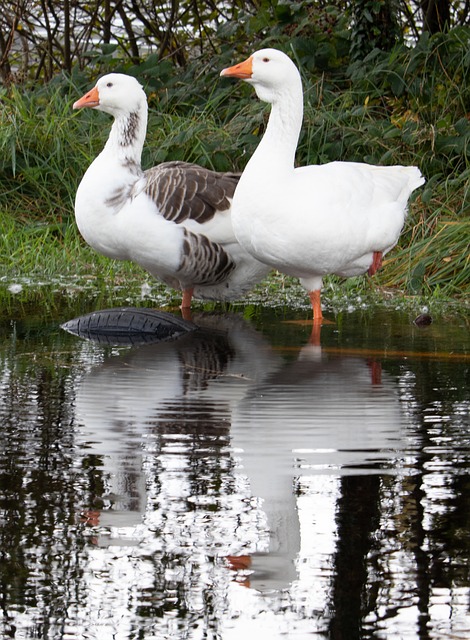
(174, 220)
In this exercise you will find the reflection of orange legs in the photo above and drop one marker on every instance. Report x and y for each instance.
(375, 371)
(240, 563)
(237, 563)
(376, 263)
(90, 517)
(315, 335)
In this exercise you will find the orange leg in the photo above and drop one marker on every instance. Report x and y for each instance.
(187, 297)
(316, 306)
(317, 317)
(186, 304)
(376, 263)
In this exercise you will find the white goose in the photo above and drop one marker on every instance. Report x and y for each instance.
(174, 219)
(337, 218)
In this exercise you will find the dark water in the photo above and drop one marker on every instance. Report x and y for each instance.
(238, 483)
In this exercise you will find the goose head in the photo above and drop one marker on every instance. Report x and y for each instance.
(270, 71)
(115, 93)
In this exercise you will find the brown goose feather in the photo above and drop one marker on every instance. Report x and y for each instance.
(183, 191)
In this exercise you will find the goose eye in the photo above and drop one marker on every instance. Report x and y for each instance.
(265, 59)
(109, 84)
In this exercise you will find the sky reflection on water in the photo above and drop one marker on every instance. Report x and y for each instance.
(237, 482)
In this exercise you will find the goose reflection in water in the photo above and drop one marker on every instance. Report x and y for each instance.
(315, 415)
(166, 407)
(201, 443)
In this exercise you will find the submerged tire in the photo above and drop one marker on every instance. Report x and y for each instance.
(128, 325)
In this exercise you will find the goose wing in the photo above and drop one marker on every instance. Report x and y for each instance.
(184, 191)
(203, 261)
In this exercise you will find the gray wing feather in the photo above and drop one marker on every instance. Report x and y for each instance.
(203, 262)
(183, 191)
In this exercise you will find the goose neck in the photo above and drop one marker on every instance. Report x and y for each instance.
(127, 136)
(282, 132)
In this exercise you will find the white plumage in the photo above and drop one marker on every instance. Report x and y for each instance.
(337, 218)
(174, 220)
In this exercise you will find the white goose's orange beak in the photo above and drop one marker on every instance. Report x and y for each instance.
(90, 99)
(243, 70)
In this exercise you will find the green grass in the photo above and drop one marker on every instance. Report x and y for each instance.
(408, 107)
(49, 266)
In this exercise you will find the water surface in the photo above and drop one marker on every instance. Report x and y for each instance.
(239, 482)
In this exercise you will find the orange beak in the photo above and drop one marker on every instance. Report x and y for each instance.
(243, 70)
(90, 99)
